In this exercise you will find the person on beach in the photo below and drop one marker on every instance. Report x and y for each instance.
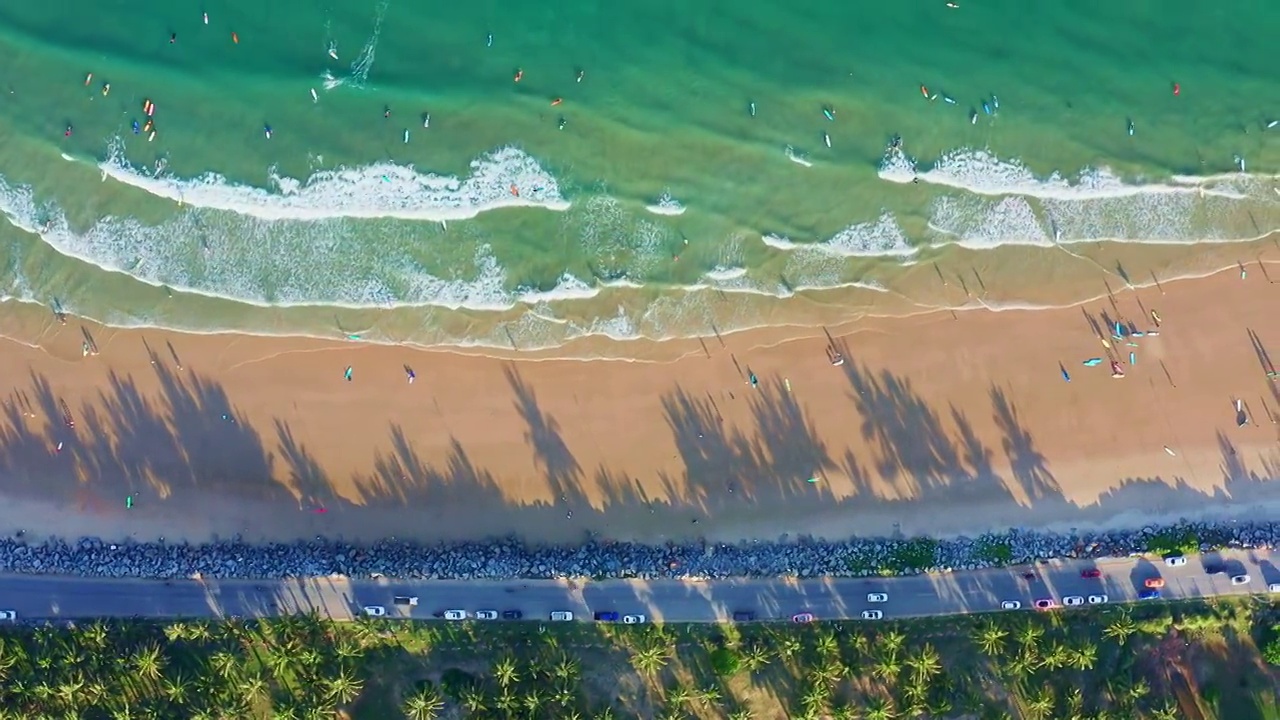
(408, 371)
(348, 374)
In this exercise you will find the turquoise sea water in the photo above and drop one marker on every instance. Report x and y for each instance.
(651, 200)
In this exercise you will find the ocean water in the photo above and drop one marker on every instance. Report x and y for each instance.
(657, 171)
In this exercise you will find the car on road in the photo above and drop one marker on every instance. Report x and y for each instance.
(872, 614)
(401, 600)
(633, 619)
(1098, 599)
(1273, 587)
(606, 616)
(10, 615)
(374, 610)
(1045, 604)
(561, 616)
(1240, 579)
(1010, 605)
(743, 616)
(1175, 560)
(455, 614)
(486, 614)
(1072, 600)
(1149, 594)
(877, 597)
(1156, 582)
(512, 614)
(802, 618)
(1091, 573)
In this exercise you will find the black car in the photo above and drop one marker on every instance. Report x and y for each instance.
(607, 616)
(744, 616)
(512, 614)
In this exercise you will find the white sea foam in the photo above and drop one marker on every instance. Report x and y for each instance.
(1003, 203)
(666, 205)
(883, 237)
(981, 172)
(382, 190)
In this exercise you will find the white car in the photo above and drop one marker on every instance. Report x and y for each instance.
(1240, 579)
(1010, 605)
(1098, 599)
(1273, 587)
(486, 614)
(633, 619)
(1072, 600)
(561, 616)
(1175, 561)
(872, 615)
(374, 610)
(877, 597)
(455, 614)
(12, 615)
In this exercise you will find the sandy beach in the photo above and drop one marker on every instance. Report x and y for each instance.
(939, 423)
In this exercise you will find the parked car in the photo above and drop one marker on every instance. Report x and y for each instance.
(1010, 605)
(743, 616)
(512, 614)
(1091, 573)
(877, 597)
(374, 610)
(1098, 599)
(455, 614)
(9, 615)
(872, 615)
(1240, 579)
(486, 614)
(1072, 600)
(401, 600)
(1274, 587)
(606, 616)
(802, 617)
(1045, 604)
(1175, 560)
(1150, 594)
(561, 616)
(633, 619)
(1156, 582)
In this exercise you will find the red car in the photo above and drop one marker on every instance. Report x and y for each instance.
(1156, 582)
(1045, 604)
(1091, 573)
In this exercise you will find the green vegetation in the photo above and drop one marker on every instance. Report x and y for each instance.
(995, 551)
(1174, 542)
(1152, 661)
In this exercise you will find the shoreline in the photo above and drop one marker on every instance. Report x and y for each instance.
(195, 437)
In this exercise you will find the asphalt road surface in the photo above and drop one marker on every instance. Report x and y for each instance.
(37, 597)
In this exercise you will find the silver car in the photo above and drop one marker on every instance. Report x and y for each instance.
(633, 619)
(1098, 599)
(9, 615)
(1239, 579)
(561, 616)
(1072, 600)
(486, 614)
(455, 614)
(374, 610)
(1175, 561)
(877, 597)
(1010, 605)
(872, 615)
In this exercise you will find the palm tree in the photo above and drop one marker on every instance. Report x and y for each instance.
(990, 638)
(94, 636)
(474, 700)
(1084, 655)
(148, 663)
(173, 632)
(224, 664)
(892, 641)
(1168, 711)
(679, 696)
(1121, 629)
(1029, 635)
(651, 659)
(565, 669)
(755, 657)
(926, 664)
(788, 646)
(251, 686)
(344, 687)
(423, 705)
(606, 713)
(1040, 705)
(828, 673)
(1057, 657)
(826, 644)
(533, 701)
(880, 709)
(505, 671)
(176, 688)
(887, 668)
(742, 713)
(508, 701)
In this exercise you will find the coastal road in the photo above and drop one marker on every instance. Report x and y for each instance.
(38, 597)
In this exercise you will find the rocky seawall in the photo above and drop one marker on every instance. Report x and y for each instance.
(510, 558)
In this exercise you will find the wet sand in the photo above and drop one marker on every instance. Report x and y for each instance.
(941, 423)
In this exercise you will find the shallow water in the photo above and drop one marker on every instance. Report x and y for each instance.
(663, 207)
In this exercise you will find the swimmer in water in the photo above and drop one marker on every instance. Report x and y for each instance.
(561, 124)
(488, 40)
(426, 120)
(206, 18)
(173, 38)
(266, 130)
(581, 74)
(68, 132)
(314, 96)
(386, 113)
